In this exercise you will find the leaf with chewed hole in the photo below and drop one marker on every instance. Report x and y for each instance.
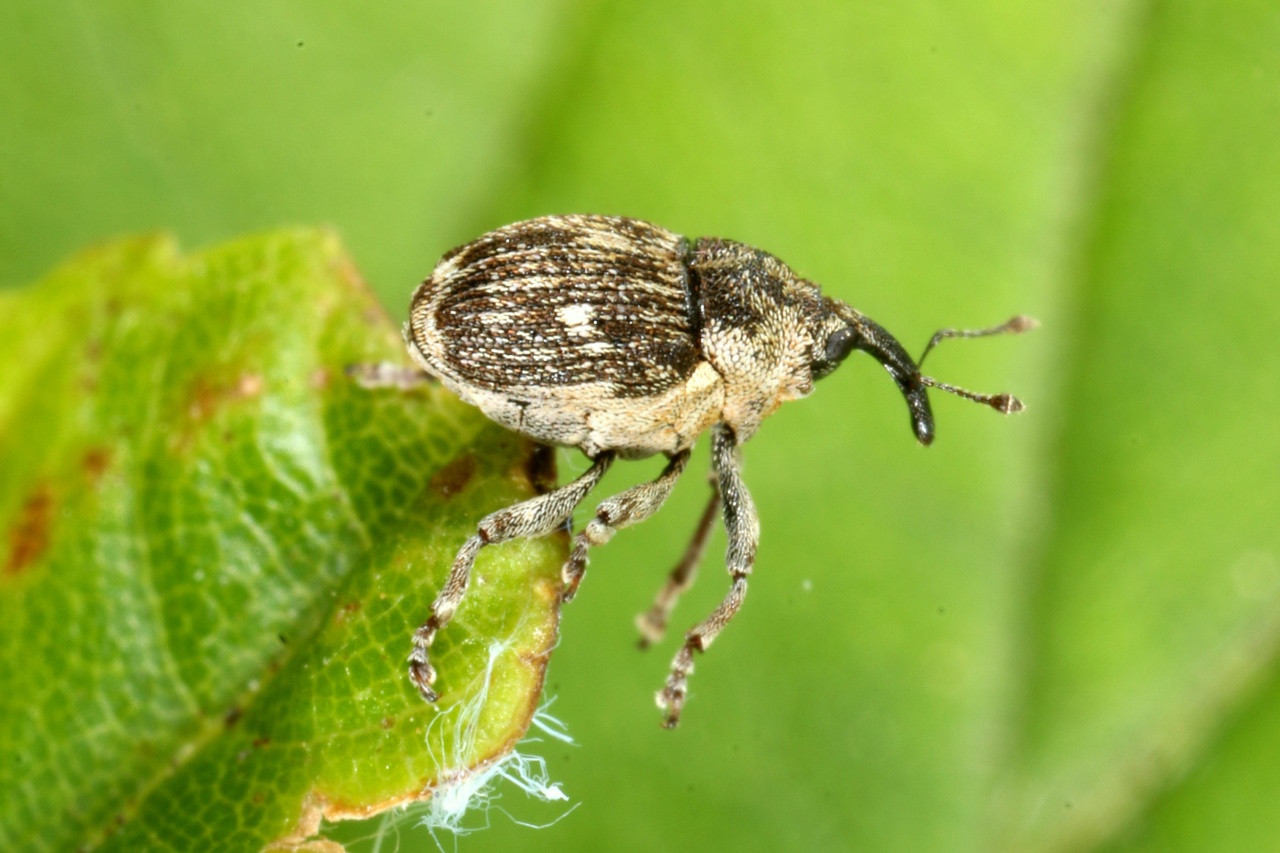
(215, 548)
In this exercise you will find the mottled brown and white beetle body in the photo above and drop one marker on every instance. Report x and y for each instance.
(613, 334)
(626, 340)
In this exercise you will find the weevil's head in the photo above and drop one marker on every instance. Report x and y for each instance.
(843, 330)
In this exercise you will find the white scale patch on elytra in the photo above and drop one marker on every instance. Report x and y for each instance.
(499, 318)
(577, 319)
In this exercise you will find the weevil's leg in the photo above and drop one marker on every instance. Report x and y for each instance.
(384, 374)
(652, 624)
(743, 528)
(631, 507)
(534, 517)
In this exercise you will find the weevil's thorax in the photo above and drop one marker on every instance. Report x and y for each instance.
(758, 326)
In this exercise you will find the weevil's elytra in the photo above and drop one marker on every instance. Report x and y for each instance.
(625, 340)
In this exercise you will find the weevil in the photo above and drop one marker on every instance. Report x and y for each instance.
(625, 340)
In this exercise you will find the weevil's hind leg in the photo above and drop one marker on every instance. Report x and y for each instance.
(631, 507)
(743, 528)
(384, 374)
(652, 624)
(534, 517)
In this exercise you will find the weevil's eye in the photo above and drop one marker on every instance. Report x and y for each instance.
(840, 343)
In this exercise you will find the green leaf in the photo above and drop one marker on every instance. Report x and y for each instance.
(217, 547)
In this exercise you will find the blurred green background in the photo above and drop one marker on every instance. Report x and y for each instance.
(1054, 632)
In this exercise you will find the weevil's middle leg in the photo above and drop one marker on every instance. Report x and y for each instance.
(534, 517)
(630, 507)
(743, 527)
(652, 624)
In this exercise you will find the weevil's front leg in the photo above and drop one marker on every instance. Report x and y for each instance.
(384, 374)
(743, 528)
(652, 624)
(631, 507)
(534, 517)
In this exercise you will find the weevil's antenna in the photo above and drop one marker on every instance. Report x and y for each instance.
(1004, 403)
(1013, 326)
(865, 334)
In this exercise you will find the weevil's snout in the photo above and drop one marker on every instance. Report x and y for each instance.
(884, 347)
(865, 334)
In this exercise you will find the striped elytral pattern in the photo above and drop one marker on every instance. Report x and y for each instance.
(560, 301)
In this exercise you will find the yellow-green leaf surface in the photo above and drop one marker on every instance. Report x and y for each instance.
(217, 547)
(1053, 632)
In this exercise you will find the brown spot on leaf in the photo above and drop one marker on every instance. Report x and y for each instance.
(260, 742)
(454, 476)
(205, 397)
(29, 536)
(387, 722)
(346, 610)
(202, 400)
(95, 462)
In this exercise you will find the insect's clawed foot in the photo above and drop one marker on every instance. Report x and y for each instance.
(384, 374)
(672, 696)
(570, 580)
(652, 625)
(421, 672)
